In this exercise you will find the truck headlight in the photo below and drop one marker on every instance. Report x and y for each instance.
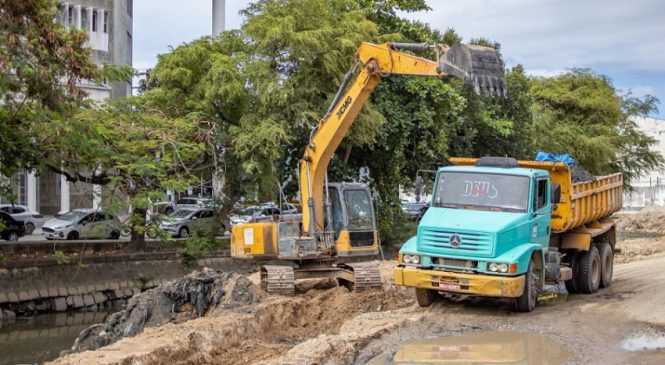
(411, 259)
(502, 268)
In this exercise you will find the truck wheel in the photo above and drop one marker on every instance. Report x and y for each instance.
(606, 264)
(425, 297)
(588, 271)
(527, 301)
(571, 259)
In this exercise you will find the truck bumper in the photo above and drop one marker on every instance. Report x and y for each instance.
(469, 284)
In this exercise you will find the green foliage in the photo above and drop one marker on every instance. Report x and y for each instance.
(580, 113)
(196, 247)
(61, 258)
(41, 63)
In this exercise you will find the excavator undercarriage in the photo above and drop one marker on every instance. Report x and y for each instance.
(357, 276)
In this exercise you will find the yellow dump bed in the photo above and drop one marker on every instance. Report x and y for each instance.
(582, 202)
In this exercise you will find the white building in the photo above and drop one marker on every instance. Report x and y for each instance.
(650, 188)
(109, 25)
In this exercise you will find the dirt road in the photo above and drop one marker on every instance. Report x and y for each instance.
(334, 326)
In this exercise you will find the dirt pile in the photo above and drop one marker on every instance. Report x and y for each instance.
(177, 301)
(249, 332)
(649, 221)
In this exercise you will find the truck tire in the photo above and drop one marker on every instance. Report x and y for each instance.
(588, 271)
(572, 260)
(425, 297)
(606, 264)
(527, 301)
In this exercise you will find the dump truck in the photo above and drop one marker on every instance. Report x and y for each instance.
(498, 227)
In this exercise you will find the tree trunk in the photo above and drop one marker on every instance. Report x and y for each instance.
(137, 239)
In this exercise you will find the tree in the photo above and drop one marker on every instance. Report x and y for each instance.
(132, 149)
(41, 62)
(580, 113)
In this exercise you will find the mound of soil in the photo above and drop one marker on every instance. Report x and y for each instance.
(189, 297)
(579, 174)
(649, 221)
(253, 328)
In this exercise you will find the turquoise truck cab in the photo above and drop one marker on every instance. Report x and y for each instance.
(485, 233)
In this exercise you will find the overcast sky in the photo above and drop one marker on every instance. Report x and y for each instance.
(622, 39)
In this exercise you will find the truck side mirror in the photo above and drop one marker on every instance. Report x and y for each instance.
(556, 193)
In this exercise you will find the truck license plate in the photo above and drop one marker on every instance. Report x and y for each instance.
(449, 286)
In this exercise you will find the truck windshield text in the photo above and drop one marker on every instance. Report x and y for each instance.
(466, 190)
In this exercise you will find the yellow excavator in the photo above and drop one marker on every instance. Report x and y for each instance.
(338, 227)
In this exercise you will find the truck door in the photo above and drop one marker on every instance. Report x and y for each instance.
(541, 218)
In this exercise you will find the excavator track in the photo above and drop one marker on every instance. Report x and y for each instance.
(367, 276)
(278, 279)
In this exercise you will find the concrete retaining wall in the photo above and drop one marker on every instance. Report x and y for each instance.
(43, 285)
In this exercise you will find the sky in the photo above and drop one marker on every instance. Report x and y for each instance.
(624, 40)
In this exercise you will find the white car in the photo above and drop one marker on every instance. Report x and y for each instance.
(82, 224)
(23, 214)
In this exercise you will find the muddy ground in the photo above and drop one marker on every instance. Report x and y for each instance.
(330, 325)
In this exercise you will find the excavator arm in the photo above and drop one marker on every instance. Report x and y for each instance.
(478, 66)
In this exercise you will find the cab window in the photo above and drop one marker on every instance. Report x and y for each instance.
(541, 194)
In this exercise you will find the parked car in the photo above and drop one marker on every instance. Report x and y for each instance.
(412, 210)
(12, 229)
(243, 215)
(287, 208)
(184, 222)
(194, 203)
(23, 214)
(162, 208)
(82, 223)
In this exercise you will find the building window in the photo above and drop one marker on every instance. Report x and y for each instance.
(84, 19)
(94, 20)
(106, 22)
(70, 15)
(22, 189)
(130, 6)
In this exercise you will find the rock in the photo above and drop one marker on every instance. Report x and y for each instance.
(187, 298)
(8, 316)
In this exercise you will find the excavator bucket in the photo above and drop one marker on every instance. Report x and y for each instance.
(478, 66)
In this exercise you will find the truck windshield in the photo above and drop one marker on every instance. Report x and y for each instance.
(467, 190)
(359, 210)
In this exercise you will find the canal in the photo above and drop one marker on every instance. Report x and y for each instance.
(41, 338)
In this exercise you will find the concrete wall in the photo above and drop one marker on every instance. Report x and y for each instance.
(28, 287)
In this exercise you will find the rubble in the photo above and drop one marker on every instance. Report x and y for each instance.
(177, 301)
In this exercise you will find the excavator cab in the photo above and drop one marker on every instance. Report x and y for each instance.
(353, 221)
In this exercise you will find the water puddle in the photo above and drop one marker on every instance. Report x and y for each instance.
(479, 348)
(644, 340)
(42, 338)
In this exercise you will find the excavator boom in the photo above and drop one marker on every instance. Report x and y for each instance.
(480, 67)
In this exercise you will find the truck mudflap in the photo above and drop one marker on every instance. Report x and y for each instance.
(468, 284)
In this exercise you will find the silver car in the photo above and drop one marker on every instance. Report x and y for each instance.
(23, 214)
(82, 224)
(184, 222)
(194, 203)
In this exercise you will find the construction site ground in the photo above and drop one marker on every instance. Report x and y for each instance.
(327, 324)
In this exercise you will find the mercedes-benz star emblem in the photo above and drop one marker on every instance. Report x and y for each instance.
(455, 240)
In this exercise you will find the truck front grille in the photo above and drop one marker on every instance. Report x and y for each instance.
(439, 241)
